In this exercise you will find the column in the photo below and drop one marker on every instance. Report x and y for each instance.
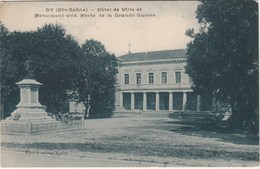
(132, 101)
(157, 101)
(121, 100)
(144, 101)
(184, 100)
(198, 102)
(170, 101)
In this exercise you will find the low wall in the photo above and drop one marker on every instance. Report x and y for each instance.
(14, 127)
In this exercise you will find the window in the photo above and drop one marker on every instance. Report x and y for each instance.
(164, 77)
(126, 78)
(178, 77)
(151, 78)
(138, 78)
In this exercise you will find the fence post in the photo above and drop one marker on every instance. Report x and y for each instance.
(82, 122)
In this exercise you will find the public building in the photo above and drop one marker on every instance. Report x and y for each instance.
(156, 81)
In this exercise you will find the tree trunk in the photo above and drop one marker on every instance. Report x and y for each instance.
(2, 109)
(87, 107)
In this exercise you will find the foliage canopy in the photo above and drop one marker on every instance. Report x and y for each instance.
(96, 78)
(223, 56)
(60, 64)
(53, 55)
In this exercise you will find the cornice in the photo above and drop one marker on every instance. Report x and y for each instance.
(156, 62)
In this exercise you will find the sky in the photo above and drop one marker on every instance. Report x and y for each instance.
(164, 30)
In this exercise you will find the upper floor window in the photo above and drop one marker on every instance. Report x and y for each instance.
(138, 78)
(126, 78)
(178, 77)
(151, 78)
(164, 77)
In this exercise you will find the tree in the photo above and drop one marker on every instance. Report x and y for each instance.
(57, 56)
(7, 88)
(95, 79)
(54, 56)
(222, 59)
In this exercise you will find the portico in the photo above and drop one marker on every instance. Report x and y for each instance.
(159, 100)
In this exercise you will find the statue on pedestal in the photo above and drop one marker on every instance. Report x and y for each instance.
(29, 108)
(28, 68)
(29, 116)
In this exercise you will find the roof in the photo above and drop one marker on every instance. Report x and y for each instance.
(155, 55)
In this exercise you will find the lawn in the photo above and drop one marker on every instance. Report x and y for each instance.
(145, 137)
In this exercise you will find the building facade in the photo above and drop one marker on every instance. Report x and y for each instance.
(156, 81)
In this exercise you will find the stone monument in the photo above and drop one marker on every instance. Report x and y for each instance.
(29, 107)
(29, 116)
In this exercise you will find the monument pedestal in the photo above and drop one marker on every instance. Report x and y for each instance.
(29, 108)
(29, 117)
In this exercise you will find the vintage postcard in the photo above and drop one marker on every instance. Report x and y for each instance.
(129, 84)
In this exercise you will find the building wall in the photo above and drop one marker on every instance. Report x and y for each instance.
(157, 69)
(170, 68)
(171, 89)
(157, 96)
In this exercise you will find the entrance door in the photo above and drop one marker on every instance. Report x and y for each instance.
(127, 101)
(164, 101)
(139, 101)
(151, 101)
